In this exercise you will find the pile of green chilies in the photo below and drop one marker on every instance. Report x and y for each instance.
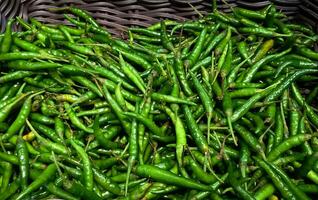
(222, 107)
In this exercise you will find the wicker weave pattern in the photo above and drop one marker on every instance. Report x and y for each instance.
(117, 15)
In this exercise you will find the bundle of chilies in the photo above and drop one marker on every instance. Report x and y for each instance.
(222, 107)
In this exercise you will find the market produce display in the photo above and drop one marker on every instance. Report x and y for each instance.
(222, 107)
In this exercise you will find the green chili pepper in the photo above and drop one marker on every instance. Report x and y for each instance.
(87, 169)
(287, 144)
(23, 156)
(168, 177)
(278, 182)
(7, 38)
(44, 177)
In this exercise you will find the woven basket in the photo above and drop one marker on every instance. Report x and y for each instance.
(117, 15)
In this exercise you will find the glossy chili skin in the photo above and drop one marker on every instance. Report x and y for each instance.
(7, 38)
(47, 174)
(23, 156)
(218, 107)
